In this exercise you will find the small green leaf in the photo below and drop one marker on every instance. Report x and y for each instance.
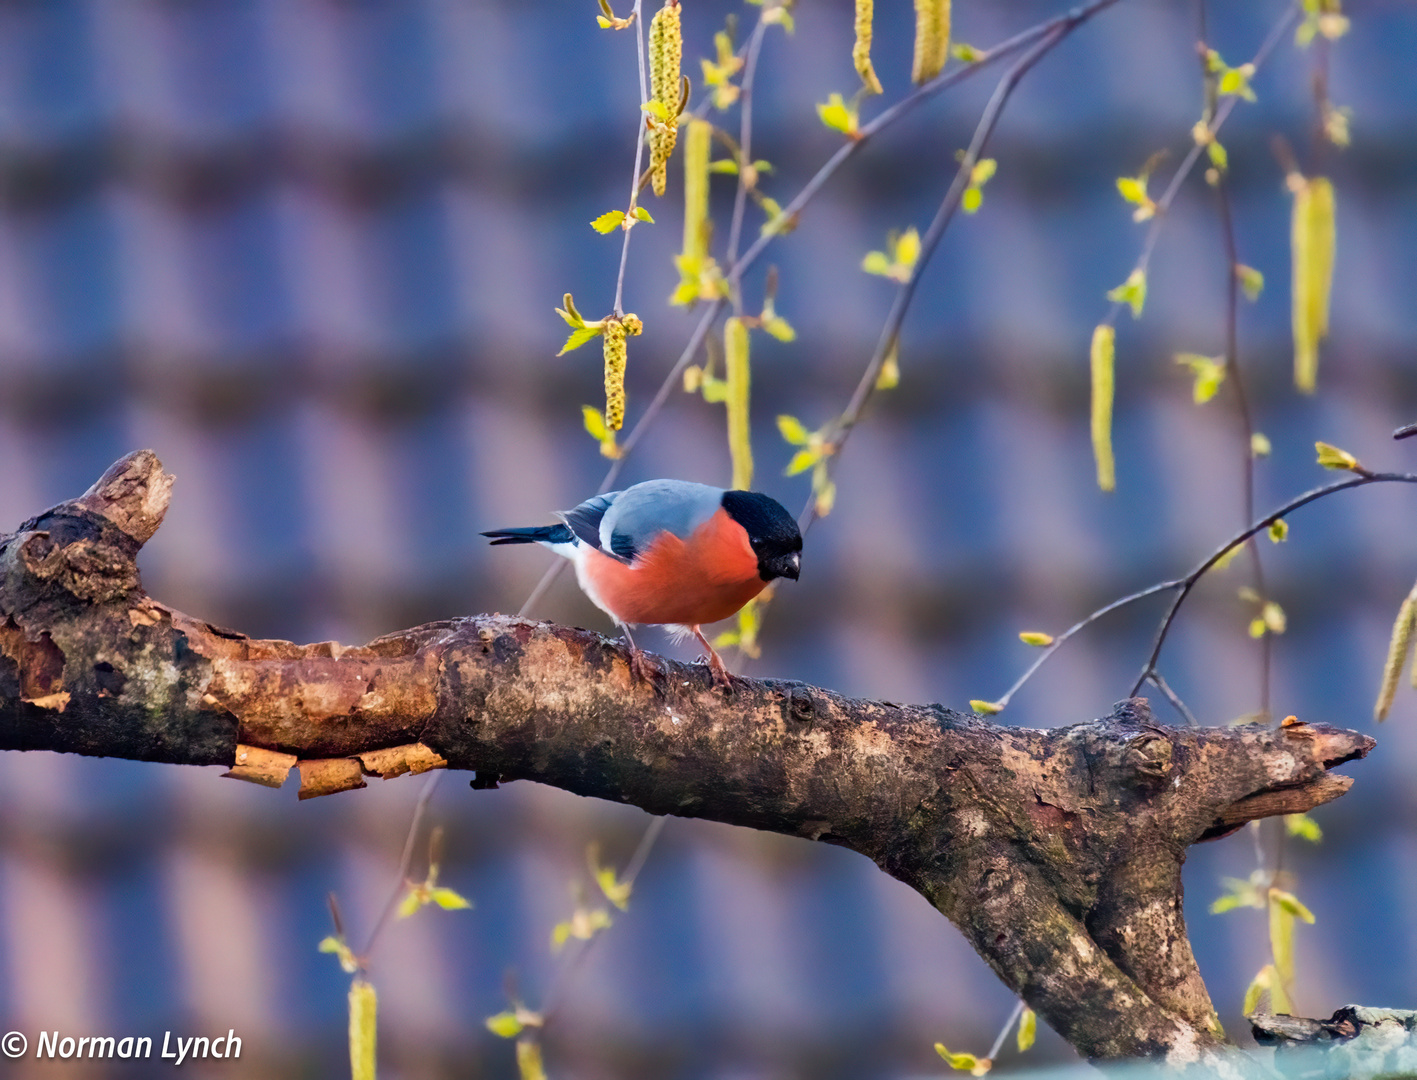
(793, 430)
(448, 900)
(569, 312)
(1258, 985)
(643, 214)
(504, 1024)
(560, 934)
(876, 262)
(966, 54)
(1279, 530)
(907, 248)
(779, 328)
(1231, 553)
(1260, 445)
(1218, 157)
(657, 109)
(1236, 82)
(1331, 457)
(715, 390)
(1027, 1030)
(341, 949)
(1131, 292)
(975, 1066)
(985, 708)
(595, 423)
(836, 115)
(972, 200)
(607, 221)
(1132, 188)
(889, 377)
(1240, 893)
(1251, 281)
(726, 165)
(1303, 826)
(412, 902)
(1034, 637)
(578, 338)
(615, 890)
(1290, 903)
(802, 461)
(1209, 372)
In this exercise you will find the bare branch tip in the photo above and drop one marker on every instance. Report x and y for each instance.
(133, 493)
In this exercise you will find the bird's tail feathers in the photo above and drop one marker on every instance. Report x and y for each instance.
(544, 534)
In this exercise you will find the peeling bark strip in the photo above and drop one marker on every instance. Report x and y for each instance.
(1058, 853)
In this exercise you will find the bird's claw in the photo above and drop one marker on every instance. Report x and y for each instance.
(722, 677)
(643, 669)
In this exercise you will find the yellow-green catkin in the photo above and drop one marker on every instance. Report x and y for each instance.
(616, 358)
(363, 1025)
(932, 38)
(697, 143)
(529, 1066)
(666, 52)
(861, 51)
(1397, 649)
(1312, 237)
(735, 362)
(1104, 382)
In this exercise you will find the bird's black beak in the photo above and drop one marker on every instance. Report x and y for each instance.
(792, 565)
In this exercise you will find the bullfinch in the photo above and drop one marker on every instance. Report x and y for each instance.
(673, 553)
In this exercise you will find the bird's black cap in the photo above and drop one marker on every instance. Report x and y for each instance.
(772, 531)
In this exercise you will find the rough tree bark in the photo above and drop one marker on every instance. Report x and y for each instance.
(1057, 852)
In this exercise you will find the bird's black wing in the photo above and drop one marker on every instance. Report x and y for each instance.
(584, 521)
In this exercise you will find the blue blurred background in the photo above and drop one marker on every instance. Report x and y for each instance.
(308, 251)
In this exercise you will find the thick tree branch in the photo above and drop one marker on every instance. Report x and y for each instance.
(1057, 852)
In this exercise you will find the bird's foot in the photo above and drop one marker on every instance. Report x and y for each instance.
(722, 677)
(643, 669)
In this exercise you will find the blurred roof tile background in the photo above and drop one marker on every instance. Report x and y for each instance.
(308, 250)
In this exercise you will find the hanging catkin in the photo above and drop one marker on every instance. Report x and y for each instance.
(666, 51)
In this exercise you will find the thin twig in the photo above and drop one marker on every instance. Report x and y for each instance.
(1004, 1031)
(1082, 624)
(406, 860)
(1210, 82)
(1174, 698)
(931, 240)
(637, 860)
(745, 150)
(576, 958)
(639, 157)
(1183, 170)
(1186, 584)
(1247, 426)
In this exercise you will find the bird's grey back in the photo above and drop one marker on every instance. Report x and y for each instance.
(641, 512)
